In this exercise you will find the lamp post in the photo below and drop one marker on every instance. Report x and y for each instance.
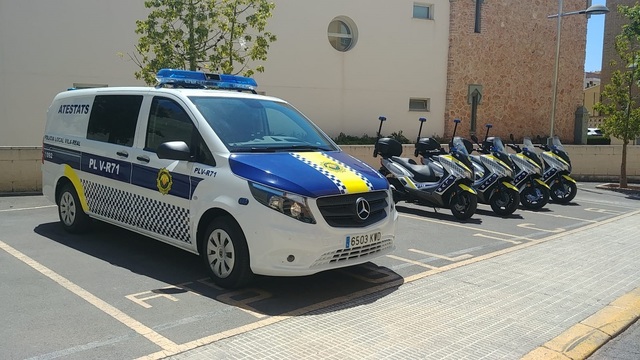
(592, 10)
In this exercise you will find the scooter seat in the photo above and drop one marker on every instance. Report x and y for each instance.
(421, 173)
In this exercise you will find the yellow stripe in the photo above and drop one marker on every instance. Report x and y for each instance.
(75, 180)
(349, 178)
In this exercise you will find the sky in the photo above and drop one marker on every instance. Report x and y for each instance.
(595, 34)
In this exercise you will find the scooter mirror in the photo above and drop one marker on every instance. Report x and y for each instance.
(457, 121)
(422, 120)
(382, 118)
(489, 126)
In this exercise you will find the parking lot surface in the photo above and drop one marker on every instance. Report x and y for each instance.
(490, 287)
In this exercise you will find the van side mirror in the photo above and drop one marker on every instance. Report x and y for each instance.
(174, 150)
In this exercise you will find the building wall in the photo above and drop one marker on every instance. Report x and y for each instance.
(47, 46)
(612, 27)
(513, 59)
(592, 97)
(396, 58)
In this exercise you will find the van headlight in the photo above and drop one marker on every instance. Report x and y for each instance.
(292, 205)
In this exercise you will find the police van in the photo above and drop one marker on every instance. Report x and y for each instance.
(204, 163)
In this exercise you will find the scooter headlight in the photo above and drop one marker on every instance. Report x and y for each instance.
(292, 205)
(556, 161)
(455, 168)
(527, 165)
(497, 166)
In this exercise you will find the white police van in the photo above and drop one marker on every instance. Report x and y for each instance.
(244, 180)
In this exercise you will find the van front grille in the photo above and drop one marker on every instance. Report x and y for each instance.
(340, 210)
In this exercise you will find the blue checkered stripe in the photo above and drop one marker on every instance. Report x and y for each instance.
(132, 209)
(329, 175)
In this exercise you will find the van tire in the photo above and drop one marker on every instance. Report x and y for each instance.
(72, 217)
(225, 253)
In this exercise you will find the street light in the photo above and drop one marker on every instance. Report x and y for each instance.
(592, 10)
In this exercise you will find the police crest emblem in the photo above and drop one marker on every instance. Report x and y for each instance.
(164, 181)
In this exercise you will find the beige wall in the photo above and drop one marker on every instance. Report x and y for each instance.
(20, 169)
(396, 57)
(47, 46)
(21, 165)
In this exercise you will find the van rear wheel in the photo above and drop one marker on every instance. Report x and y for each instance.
(72, 217)
(225, 253)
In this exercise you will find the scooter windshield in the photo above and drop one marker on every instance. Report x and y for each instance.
(498, 146)
(527, 144)
(557, 144)
(458, 145)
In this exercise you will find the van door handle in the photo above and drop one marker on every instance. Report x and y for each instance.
(143, 158)
(122, 153)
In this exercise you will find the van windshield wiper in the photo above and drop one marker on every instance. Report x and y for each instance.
(299, 147)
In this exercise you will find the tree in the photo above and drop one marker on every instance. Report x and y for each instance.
(226, 36)
(621, 95)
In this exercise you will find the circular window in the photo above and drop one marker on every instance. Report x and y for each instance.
(342, 33)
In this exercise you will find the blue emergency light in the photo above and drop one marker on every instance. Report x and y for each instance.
(199, 79)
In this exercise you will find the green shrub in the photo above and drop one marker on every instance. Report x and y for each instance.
(343, 139)
(598, 140)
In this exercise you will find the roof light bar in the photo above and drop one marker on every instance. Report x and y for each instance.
(199, 79)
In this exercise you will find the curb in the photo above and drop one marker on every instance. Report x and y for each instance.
(583, 339)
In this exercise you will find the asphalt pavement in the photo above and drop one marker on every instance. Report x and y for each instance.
(625, 346)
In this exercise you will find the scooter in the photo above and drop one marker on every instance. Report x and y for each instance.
(556, 172)
(419, 184)
(534, 193)
(493, 172)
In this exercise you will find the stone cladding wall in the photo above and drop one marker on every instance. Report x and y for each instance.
(513, 59)
(612, 27)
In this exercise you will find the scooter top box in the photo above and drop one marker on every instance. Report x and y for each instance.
(388, 147)
(428, 146)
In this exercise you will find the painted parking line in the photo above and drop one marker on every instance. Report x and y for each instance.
(101, 305)
(414, 262)
(530, 226)
(524, 238)
(515, 242)
(457, 258)
(604, 211)
(584, 338)
(29, 208)
(561, 216)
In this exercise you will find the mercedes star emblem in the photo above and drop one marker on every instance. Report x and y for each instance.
(363, 209)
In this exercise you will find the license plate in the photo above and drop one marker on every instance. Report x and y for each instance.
(362, 240)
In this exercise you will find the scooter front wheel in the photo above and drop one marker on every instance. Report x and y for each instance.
(504, 201)
(534, 197)
(563, 190)
(463, 204)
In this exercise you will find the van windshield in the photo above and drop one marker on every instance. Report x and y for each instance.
(258, 125)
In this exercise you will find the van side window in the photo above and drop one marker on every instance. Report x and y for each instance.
(113, 118)
(168, 121)
(202, 152)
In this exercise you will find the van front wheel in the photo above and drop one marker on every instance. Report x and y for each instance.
(225, 253)
(72, 217)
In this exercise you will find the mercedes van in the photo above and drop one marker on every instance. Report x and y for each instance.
(204, 163)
